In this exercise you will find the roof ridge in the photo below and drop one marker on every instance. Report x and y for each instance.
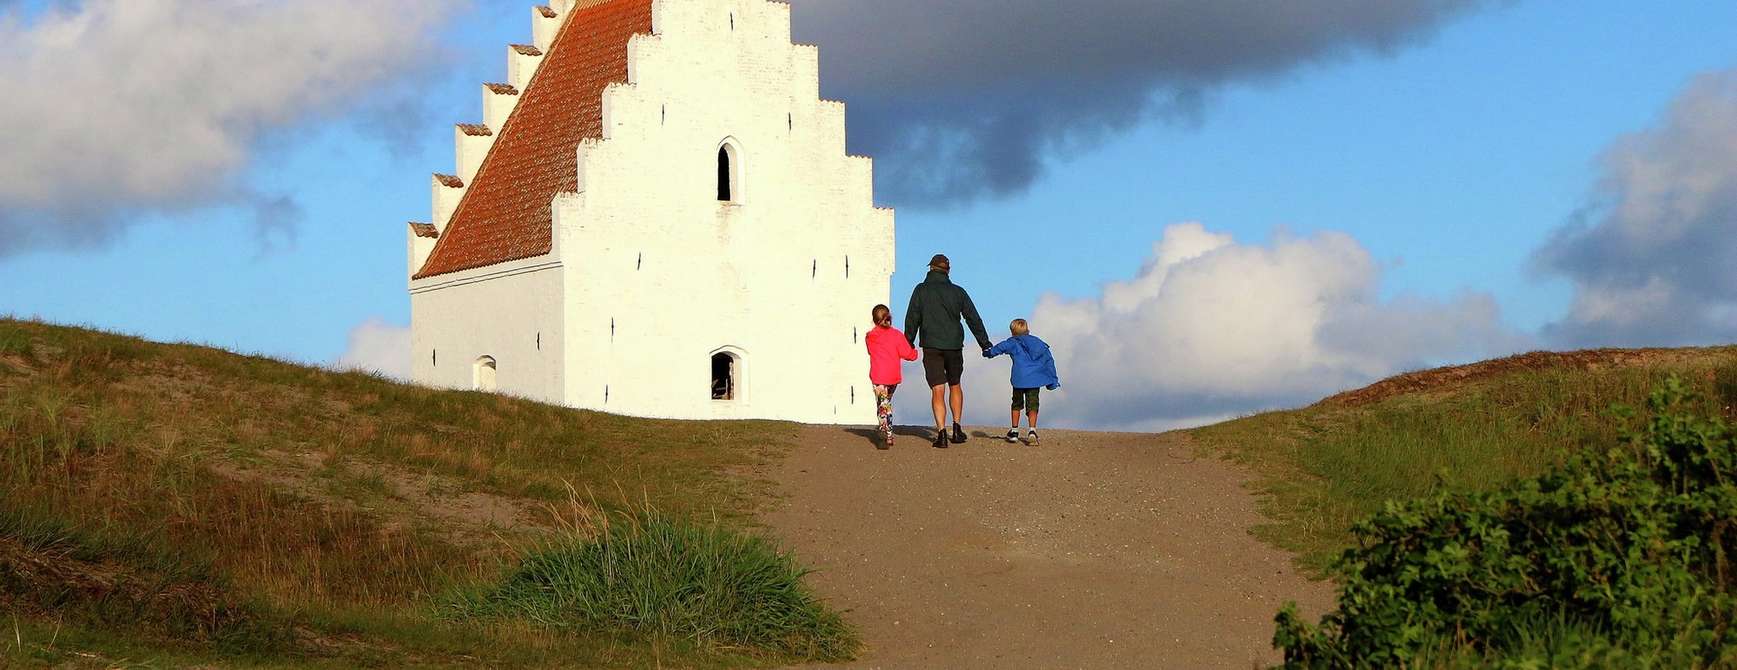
(505, 213)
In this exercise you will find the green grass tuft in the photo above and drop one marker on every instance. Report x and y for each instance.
(649, 574)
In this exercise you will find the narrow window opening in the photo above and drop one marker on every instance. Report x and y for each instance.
(789, 121)
(434, 357)
(663, 115)
(639, 264)
(612, 330)
(853, 395)
(726, 192)
(483, 375)
(732, 20)
(814, 270)
(605, 394)
(847, 267)
(853, 334)
(724, 376)
(539, 341)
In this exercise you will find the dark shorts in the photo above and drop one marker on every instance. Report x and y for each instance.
(1025, 399)
(943, 366)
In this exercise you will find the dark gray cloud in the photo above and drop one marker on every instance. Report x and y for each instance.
(966, 98)
(1653, 255)
(160, 107)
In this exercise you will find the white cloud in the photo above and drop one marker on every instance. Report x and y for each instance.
(1651, 256)
(1211, 328)
(377, 346)
(121, 106)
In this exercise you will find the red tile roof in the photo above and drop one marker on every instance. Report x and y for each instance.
(504, 216)
(527, 50)
(424, 229)
(475, 129)
(503, 89)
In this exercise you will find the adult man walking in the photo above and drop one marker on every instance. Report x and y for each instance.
(937, 304)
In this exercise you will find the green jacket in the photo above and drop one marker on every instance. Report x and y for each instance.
(936, 306)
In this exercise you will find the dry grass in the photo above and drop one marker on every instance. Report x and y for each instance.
(333, 504)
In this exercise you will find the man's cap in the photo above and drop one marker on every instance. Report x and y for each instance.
(940, 262)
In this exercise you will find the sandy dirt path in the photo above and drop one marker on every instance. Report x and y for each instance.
(1094, 550)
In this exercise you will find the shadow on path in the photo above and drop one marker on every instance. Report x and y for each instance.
(874, 436)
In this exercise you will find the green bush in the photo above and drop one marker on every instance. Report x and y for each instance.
(644, 573)
(1619, 558)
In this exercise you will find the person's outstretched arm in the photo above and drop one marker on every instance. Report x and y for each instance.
(999, 349)
(914, 316)
(974, 322)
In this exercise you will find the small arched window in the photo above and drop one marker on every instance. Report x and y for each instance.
(483, 375)
(729, 173)
(728, 377)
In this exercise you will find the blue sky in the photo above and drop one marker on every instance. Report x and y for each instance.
(1451, 160)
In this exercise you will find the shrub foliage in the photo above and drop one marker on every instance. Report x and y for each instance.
(648, 574)
(1620, 557)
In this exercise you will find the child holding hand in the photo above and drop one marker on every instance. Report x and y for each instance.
(1033, 369)
(887, 347)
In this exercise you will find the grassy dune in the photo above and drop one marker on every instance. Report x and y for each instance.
(182, 505)
(1473, 427)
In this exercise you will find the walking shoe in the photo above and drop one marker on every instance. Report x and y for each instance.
(1012, 435)
(941, 439)
(1031, 438)
(886, 439)
(958, 434)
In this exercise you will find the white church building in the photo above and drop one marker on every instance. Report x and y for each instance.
(656, 217)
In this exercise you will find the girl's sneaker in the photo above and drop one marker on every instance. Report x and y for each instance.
(1031, 438)
(1012, 435)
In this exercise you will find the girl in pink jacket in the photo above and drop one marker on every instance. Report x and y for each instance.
(886, 348)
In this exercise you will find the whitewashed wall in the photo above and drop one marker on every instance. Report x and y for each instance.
(510, 312)
(651, 274)
(681, 275)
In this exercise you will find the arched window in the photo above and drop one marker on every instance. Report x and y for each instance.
(483, 375)
(729, 379)
(723, 377)
(729, 172)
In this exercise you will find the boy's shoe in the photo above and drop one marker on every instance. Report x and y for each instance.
(958, 434)
(1012, 435)
(941, 440)
(886, 439)
(1031, 438)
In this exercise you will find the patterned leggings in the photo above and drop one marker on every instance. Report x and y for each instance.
(884, 399)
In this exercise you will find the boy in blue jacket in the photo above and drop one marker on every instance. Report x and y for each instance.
(1033, 369)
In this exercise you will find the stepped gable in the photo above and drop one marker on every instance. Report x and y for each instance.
(505, 216)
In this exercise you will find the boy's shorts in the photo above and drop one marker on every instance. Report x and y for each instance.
(1025, 399)
(943, 366)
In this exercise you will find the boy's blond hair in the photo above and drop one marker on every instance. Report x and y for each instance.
(1018, 327)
